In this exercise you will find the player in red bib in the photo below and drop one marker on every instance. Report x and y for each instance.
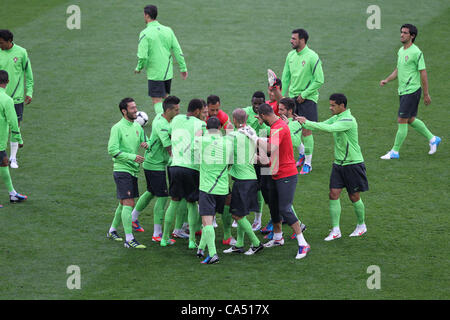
(214, 110)
(274, 95)
(282, 185)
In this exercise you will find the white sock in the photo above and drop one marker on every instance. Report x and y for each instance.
(157, 230)
(129, 237)
(433, 139)
(13, 193)
(185, 226)
(301, 240)
(277, 236)
(258, 217)
(336, 230)
(14, 148)
(112, 229)
(301, 149)
(134, 215)
(308, 159)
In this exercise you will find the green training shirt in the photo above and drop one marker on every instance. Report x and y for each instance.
(296, 133)
(8, 120)
(254, 123)
(156, 156)
(244, 152)
(409, 63)
(345, 133)
(123, 145)
(183, 130)
(156, 43)
(302, 74)
(15, 61)
(215, 154)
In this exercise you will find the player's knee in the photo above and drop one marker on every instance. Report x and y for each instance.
(354, 197)
(334, 195)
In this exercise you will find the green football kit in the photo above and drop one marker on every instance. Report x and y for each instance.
(15, 61)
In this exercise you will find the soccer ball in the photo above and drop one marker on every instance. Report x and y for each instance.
(142, 118)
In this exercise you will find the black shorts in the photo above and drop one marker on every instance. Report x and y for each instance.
(281, 198)
(159, 89)
(4, 158)
(209, 204)
(409, 104)
(307, 109)
(156, 182)
(19, 111)
(126, 184)
(244, 197)
(184, 183)
(352, 177)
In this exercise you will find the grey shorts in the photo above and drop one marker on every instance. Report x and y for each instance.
(281, 198)
(409, 104)
(307, 109)
(127, 185)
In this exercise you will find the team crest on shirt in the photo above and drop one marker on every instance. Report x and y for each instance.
(15, 59)
(137, 133)
(406, 58)
(303, 63)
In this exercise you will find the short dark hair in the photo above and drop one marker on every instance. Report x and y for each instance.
(265, 109)
(170, 102)
(213, 123)
(302, 34)
(259, 95)
(288, 103)
(6, 35)
(212, 99)
(277, 83)
(203, 102)
(123, 105)
(412, 30)
(339, 98)
(3, 77)
(151, 10)
(195, 104)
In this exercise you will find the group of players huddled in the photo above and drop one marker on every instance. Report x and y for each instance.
(234, 165)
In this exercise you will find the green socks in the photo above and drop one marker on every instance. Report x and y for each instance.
(335, 212)
(260, 201)
(308, 142)
(117, 217)
(158, 107)
(170, 216)
(360, 211)
(402, 132)
(194, 219)
(181, 213)
(208, 240)
(245, 225)
(126, 219)
(240, 236)
(6, 177)
(227, 221)
(421, 128)
(143, 201)
(158, 210)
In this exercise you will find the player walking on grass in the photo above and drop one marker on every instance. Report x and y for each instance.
(215, 154)
(283, 182)
(14, 60)
(245, 187)
(8, 121)
(184, 171)
(156, 43)
(303, 76)
(157, 157)
(126, 137)
(348, 170)
(412, 78)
